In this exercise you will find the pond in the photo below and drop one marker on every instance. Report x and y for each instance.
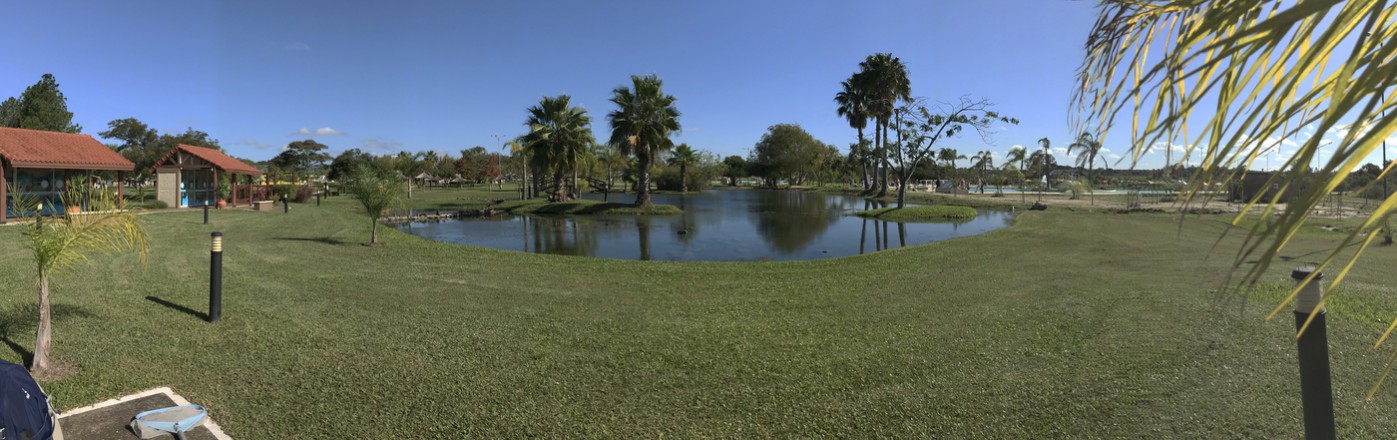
(718, 225)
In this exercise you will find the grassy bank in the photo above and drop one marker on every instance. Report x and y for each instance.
(583, 207)
(920, 213)
(1068, 324)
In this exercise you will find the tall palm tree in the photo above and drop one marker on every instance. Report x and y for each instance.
(950, 156)
(65, 243)
(682, 157)
(982, 161)
(1087, 147)
(407, 164)
(556, 131)
(641, 125)
(853, 107)
(1045, 167)
(1017, 156)
(884, 79)
(516, 148)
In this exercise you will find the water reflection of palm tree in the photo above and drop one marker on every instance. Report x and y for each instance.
(564, 236)
(902, 234)
(642, 226)
(863, 234)
(685, 224)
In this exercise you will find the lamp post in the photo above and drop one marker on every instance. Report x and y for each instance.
(499, 142)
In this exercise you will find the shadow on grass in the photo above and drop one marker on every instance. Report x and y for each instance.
(20, 320)
(195, 313)
(326, 240)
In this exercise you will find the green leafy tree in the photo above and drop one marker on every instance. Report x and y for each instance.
(682, 157)
(557, 130)
(735, 167)
(1087, 147)
(786, 152)
(922, 127)
(301, 157)
(376, 193)
(68, 242)
(41, 107)
(641, 125)
(1264, 70)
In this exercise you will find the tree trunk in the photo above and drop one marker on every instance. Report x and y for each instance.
(576, 190)
(409, 188)
(864, 166)
(642, 184)
(373, 234)
(559, 179)
(902, 189)
(683, 179)
(44, 334)
(882, 160)
(1090, 193)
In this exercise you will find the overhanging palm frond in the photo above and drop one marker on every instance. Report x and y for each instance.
(1247, 75)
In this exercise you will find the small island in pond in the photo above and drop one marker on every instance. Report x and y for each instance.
(933, 213)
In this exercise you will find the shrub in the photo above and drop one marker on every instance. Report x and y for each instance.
(303, 194)
(668, 179)
(154, 204)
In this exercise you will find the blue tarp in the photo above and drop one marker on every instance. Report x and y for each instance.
(24, 409)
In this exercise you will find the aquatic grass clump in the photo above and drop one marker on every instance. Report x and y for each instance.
(921, 213)
(583, 207)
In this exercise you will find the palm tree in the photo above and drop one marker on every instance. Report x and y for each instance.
(516, 147)
(609, 157)
(66, 242)
(1017, 156)
(884, 80)
(641, 125)
(682, 157)
(557, 131)
(853, 107)
(1087, 147)
(1045, 167)
(407, 164)
(982, 161)
(950, 156)
(376, 194)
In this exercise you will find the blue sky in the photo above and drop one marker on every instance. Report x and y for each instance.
(388, 76)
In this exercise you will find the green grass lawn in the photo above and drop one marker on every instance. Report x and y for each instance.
(1069, 324)
(920, 213)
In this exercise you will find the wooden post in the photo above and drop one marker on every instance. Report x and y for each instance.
(120, 196)
(216, 197)
(4, 194)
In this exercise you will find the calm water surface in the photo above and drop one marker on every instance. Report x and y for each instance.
(719, 225)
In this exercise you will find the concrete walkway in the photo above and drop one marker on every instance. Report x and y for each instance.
(109, 420)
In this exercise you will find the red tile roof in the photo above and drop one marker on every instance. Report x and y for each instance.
(219, 160)
(50, 149)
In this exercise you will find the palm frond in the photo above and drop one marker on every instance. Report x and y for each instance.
(1251, 74)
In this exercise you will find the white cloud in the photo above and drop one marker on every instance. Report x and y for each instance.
(322, 131)
(253, 144)
(297, 47)
(381, 144)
